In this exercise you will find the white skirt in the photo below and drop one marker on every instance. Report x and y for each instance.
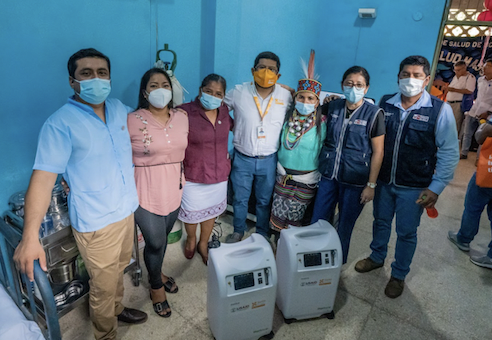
(202, 202)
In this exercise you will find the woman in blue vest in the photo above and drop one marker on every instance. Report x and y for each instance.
(351, 155)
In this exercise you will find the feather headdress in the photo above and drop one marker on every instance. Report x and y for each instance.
(310, 83)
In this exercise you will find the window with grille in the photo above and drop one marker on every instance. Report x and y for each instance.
(461, 12)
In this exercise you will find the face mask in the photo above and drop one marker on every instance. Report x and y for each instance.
(210, 102)
(159, 98)
(95, 90)
(265, 77)
(304, 109)
(410, 87)
(352, 94)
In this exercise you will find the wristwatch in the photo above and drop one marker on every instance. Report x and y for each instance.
(371, 185)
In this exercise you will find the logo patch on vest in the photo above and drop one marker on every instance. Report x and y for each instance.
(421, 118)
(360, 122)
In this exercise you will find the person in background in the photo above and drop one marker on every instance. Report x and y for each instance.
(87, 141)
(259, 112)
(300, 142)
(420, 154)
(475, 201)
(351, 155)
(159, 136)
(481, 108)
(207, 163)
(463, 83)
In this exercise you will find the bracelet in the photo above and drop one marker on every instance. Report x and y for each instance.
(371, 185)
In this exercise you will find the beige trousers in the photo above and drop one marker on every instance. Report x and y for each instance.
(106, 253)
(458, 115)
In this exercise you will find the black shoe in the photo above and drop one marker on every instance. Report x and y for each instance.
(394, 288)
(463, 156)
(130, 315)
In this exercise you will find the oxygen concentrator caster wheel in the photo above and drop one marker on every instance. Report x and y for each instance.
(268, 336)
(330, 315)
(289, 321)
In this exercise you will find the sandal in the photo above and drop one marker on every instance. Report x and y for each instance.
(159, 307)
(168, 285)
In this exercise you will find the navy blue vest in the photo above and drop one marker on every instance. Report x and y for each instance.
(346, 152)
(409, 146)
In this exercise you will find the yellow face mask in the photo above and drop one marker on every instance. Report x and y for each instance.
(265, 77)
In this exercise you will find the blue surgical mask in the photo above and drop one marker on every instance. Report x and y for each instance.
(95, 90)
(210, 102)
(352, 94)
(304, 109)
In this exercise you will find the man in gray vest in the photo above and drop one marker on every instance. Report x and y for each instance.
(420, 155)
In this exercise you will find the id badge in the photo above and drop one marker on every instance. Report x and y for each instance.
(261, 132)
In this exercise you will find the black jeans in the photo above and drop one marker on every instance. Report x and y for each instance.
(155, 229)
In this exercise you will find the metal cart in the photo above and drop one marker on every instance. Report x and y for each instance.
(38, 300)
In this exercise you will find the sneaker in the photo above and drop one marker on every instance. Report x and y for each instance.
(453, 237)
(234, 237)
(394, 288)
(366, 265)
(463, 156)
(482, 261)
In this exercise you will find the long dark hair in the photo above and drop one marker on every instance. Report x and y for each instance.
(319, 114)
(143, 103)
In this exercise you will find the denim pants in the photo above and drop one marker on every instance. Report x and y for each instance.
(331, 192)
(388, 201)
(246, 172)
(471, 125)
(475, 201)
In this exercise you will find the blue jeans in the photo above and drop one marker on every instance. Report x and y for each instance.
(331, 192)
(388, 201)
(246, 172)
(475, 201)
(471, 125)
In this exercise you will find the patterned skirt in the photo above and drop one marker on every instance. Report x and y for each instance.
(290, 200)
(202, 202)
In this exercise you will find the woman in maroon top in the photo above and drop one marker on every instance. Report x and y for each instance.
(206, 164)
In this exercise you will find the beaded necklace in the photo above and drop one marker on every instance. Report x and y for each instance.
(298, 128)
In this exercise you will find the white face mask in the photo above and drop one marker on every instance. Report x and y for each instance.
(159, 98)
(410, 87)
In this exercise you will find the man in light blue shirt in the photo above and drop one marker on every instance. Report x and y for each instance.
(87, 141)
(421, 153)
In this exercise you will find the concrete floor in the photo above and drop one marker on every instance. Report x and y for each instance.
(445, 296)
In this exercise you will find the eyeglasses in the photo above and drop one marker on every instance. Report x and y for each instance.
(271, 68)
(357, 86)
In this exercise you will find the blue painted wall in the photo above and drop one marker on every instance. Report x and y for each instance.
(341, 39)
(222, 36)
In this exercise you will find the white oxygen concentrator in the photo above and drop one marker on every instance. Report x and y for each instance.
(241, 289)
(309, 260)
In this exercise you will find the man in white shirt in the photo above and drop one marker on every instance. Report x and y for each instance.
(463, 83)
(259, 112)
(480, 109)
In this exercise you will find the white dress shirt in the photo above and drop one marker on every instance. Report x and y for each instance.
(483, 103)
(247, 119)
(466, 82)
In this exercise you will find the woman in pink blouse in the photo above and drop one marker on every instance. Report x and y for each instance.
(206, 165)
(159, 136)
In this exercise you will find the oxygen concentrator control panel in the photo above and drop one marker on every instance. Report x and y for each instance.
(244, 282)
(323, 259)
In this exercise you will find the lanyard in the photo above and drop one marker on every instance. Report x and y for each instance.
(262, 114)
